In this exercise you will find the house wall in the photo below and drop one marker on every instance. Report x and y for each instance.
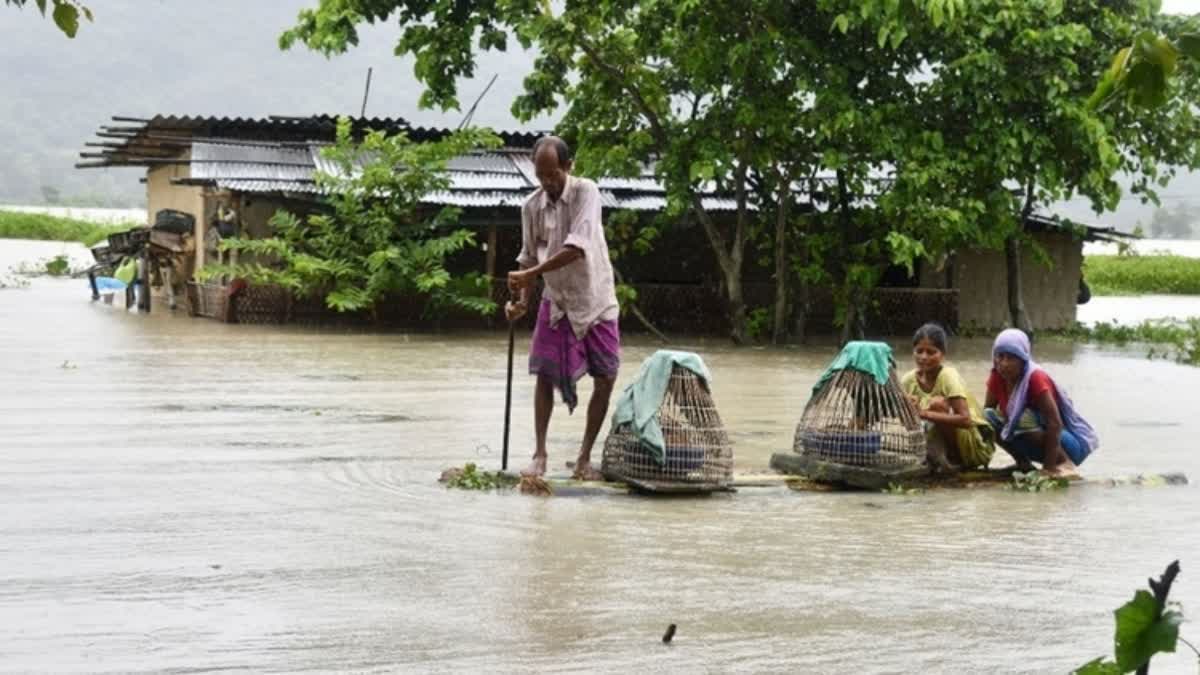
(981, 278)
(162, 194)
(256, 212)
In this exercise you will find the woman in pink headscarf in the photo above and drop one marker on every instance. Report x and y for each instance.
(1034, 419)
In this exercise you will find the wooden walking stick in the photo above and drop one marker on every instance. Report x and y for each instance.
(512, 328)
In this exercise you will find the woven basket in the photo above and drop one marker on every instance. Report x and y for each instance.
(698, 451)
(208, 300)
(263, 304)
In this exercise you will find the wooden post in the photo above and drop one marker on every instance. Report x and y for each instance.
(490, 262)
(489, 265)
(144, 282)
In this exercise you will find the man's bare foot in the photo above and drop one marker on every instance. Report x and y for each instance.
(536, 468)
(585, 471)
(535, 485)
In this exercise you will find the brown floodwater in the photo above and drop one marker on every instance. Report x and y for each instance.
(178, 494)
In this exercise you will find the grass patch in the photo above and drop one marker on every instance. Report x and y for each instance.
(17, 225)
(1174, 339)
(1141, 274)
(471, 477)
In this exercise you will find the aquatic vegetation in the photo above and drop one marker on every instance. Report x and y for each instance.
(1174, 339)
(899, 489)
(1139, 274)
(471, 477)
(58, 266)
(17, 225)
(1034, 481)
(1146, 625)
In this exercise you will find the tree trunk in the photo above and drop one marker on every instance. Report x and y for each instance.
(779, 327)
(730, 258)
(1017, 315)
(800, 312)
(637, 313)
(1016, 297)
(737, 307)
(847, 320)
(853, 324)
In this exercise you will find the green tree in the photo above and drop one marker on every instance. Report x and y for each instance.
(730, 95)
(375, 238)
(978, 112)
(1007, 128)
(65, 13)
(705, 93)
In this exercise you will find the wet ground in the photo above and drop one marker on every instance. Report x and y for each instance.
(181, 494)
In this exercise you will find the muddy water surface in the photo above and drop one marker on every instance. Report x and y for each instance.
(181, 494)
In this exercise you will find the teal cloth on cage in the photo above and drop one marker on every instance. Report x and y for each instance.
(872, 358)
(639, 402)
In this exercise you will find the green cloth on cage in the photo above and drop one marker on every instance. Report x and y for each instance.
(872, 358)
(639, 402)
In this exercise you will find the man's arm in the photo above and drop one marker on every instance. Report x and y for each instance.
(524, 279)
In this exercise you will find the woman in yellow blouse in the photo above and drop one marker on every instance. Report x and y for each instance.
(953, 420)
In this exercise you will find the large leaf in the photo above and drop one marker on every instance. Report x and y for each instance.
(1140, 635)
(1099, 666)
(66, 17)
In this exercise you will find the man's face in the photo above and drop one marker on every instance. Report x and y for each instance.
(550, 174)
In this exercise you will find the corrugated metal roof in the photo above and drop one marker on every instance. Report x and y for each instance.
(271, 153)
(249, 171)
(476, 198)
(486, 162)
(251, 162)
(657, 203)
(636, 184)
(461, 180)
(524, 164)
(320, 163)
(260, 186)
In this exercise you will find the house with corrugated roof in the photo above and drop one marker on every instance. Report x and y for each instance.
(256, 166)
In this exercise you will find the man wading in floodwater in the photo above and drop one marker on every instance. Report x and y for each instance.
(562, 241)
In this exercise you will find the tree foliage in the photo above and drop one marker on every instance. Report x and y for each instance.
(66, 13)
(375, 237)
(976, 112)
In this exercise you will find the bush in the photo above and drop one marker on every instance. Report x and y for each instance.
(1177, 339)
(1134, 275)
(17, 225)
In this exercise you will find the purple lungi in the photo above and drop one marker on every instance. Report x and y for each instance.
(557, 354)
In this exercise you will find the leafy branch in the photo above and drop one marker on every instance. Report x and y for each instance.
(65, 13)
(1146, 625)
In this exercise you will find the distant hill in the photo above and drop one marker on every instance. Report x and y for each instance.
(217, 57)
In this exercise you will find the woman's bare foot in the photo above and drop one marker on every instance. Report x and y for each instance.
(1066, 470)
(585, 471)
(536, 468)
